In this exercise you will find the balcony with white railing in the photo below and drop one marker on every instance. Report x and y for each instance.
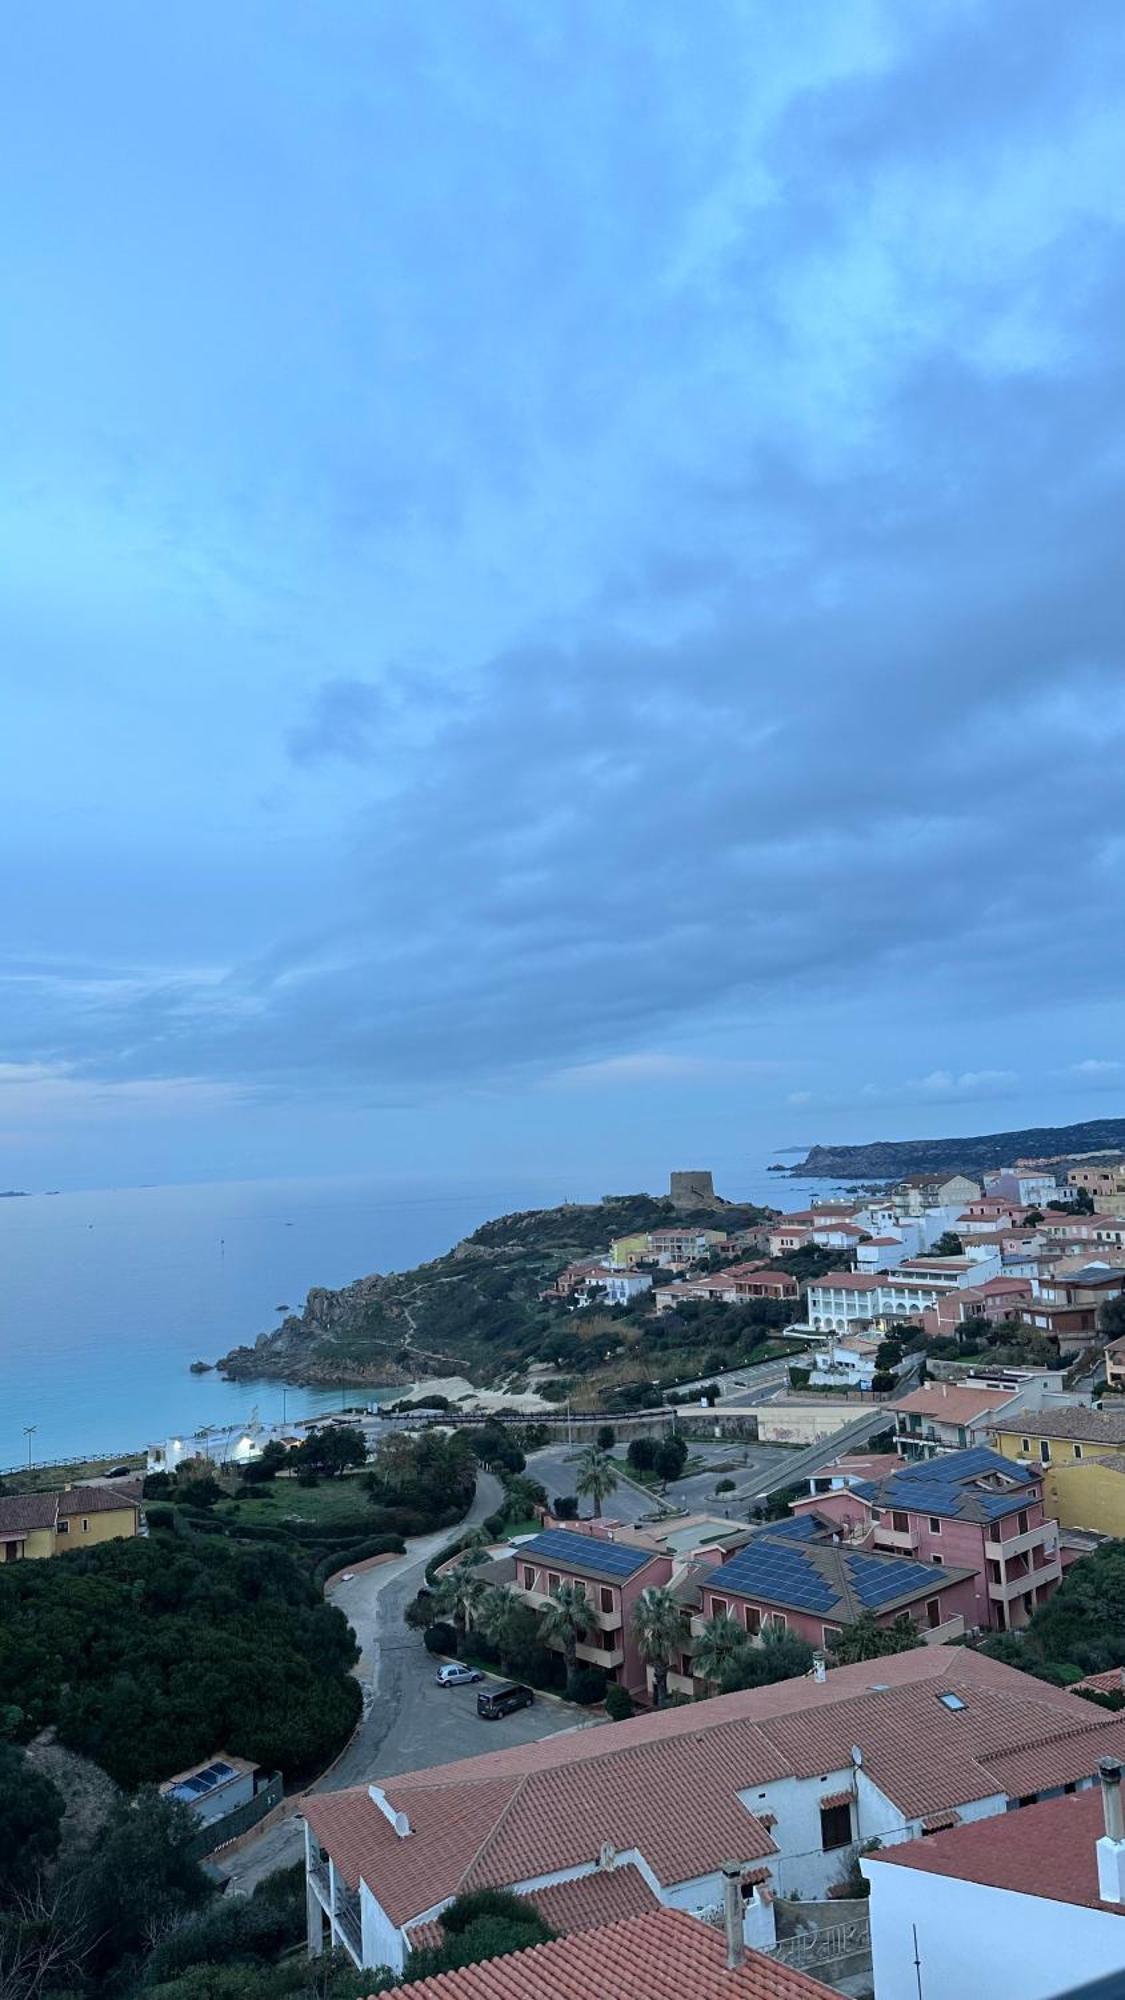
(348, 1922)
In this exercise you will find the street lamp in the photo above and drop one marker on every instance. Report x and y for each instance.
(29, 1431)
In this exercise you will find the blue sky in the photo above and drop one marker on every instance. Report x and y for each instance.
(560, 589)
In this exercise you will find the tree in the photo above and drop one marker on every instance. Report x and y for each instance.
(142, 1878)
(273, 1458)
(882, 1382)
(565, 1621)
(457, 1594)
(483, 1925)
(778, 1658)
(671, 1457)
(564, 1506)
(1084, 1622)
(658, 1628)
(1111, 1317)
(331, 1452)
(719, 1643)
(31, 1810)
(597, 1478)
(641, 1455)
(865, 1639)
(606, 1437)
(949, 1244)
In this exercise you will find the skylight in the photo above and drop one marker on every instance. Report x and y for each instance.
(951, 1701)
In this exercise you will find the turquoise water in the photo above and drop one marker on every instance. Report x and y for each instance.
(107, 1298)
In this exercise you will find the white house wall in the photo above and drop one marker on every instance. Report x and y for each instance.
(382, 1940)
(973, 1939)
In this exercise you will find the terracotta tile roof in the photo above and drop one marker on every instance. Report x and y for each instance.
(1112, 1681)
(96, 1500)
(1046, 1850)
(22, 1513)
(939, 1821)
(836, 1799)
(668, 1783)
(946, 1399)
(606, 1897)
(1088, 1426)
(666, 1955)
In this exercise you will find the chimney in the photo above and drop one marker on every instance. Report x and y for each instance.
(1111, 1846)
(732, 1913)
(819, 1667)
(397, 1819)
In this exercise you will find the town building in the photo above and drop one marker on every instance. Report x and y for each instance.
(625, 1251)
(682, 1244)
(788, 1782)
(970, 1510)
(214, 1789)
(1068, 1302)
(1080, 1455)
(38, 1525)
(661, 1954)
(1027, 1907)
(1001, 1298)
(945, 1416)
(794, 1578)
(576, 1280)
(1024, 1186)
(1114, 1359)
(1104, 1181)
(612, 1577)
(737, 1285)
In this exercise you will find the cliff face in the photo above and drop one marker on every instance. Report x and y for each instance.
(475, 1311)
(890, 1158)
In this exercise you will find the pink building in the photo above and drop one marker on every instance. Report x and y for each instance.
(972, 1509)
(997, 1298)
(797, 1579)
(612, 1577)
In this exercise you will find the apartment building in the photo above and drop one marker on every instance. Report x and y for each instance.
(970, 1510)
(945, 1416)
(788, 1782)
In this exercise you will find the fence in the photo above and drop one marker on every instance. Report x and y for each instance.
(210, 1838)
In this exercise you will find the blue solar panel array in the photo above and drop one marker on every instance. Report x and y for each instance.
(585, 1552)
(878, 1580)
(779, 1574)
(943, 1486)
(801, 1528)
(202, 1782)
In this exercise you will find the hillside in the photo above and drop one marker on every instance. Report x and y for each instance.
(475, 1311)
(891, 1158)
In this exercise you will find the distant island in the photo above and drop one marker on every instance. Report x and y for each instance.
(889, 1159)
(15, 1194)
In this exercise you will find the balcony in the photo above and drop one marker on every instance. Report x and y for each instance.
(348, 1922)
(1014, 1583)
(601, 1621)
(1043, 1536)
(318, 1876)
(596, 1656)
(899, 1541)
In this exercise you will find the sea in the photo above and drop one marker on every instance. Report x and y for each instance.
(106, 1298)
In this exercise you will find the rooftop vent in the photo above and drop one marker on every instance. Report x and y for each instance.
(397, 1819)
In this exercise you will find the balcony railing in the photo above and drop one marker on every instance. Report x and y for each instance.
(349, 1921)
(318, 1876)
(886, 1537)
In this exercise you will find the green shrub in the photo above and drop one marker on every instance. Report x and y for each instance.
(586, 1686)
(160, 1518)
(337, 1559)
(466, 1910)
(440, 1638)
(619, 1705)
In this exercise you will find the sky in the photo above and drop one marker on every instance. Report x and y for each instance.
(561, 586)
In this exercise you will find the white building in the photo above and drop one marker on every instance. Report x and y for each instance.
(622, 1286)
(1024, 1907)
(1031, 1190)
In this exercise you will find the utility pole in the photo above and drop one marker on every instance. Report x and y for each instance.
(29, 1431)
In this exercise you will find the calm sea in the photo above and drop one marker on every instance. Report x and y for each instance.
(107, 1298)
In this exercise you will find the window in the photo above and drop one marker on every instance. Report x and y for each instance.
(1025, 1444)
(779, 1622)
(528, 1577)
(1045, 1450)
(935, 1525)
(936, 1559)
(1021, 1522)
(951, 1701)
(64, 1527)
(85, 1525)
(933, 1612)
(719, 1607)
(900, 1522)
(753, 1620)
(605, 1598)
(1078, 1451)
(553, 1582)
(831, 1634)
(835, 1827)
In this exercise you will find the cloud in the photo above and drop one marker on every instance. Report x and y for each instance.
(661, 568)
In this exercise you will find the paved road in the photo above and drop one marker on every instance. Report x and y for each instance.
(555, 1468)
(408, 1724)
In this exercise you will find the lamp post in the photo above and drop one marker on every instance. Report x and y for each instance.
(29, 1431)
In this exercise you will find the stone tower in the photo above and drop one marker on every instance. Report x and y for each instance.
(694, 1189)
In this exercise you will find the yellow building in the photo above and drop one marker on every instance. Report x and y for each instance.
(1091, 1494)
(1064, 1445)
(625, 1251)
(38, 1525)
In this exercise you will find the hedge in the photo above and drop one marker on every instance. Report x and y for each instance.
(338, 1559)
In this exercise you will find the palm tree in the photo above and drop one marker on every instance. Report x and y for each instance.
(597, 1478)
(565, 1619)
(492, 1616)
(717, 1646)
(457, 1594)
(657, 1624)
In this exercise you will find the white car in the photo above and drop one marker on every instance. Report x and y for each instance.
(454, 1675)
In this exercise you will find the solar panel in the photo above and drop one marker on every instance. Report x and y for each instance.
(585, 1552)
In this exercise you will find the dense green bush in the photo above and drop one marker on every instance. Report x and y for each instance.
(149, 1655)
(619, 1704)
(440, 1638)
(243, 1927)
(337, 1559)
(586, 1686)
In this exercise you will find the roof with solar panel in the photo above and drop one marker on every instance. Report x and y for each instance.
(973, 1485)
(812, 1573)
(585, 1552)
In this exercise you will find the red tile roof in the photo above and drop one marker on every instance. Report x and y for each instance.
(668, 1783)
(1046, 1850)
(666, 1955)
(607, 1896)
(946, 1399)
(1111, 1682)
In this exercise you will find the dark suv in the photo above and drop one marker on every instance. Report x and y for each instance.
(492, 1703)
